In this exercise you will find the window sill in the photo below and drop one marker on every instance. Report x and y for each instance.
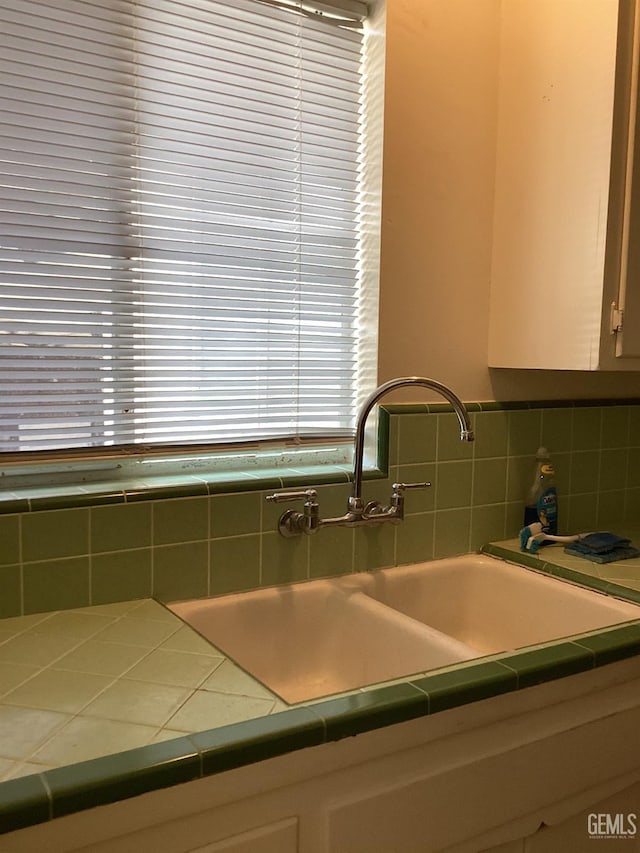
(308, 469)
(35, 498)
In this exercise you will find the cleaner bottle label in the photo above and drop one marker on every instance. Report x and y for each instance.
(547, 510)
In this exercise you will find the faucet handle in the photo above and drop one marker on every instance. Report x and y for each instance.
(292, 522)
(308, 495)
(398, 488)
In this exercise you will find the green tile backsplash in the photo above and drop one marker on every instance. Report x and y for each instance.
(189, 537)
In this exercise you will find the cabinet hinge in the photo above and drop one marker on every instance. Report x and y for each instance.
(617, 316)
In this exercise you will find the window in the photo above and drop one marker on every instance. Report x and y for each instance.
(188, 219)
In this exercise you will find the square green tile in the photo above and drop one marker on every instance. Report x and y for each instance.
(331, 552)
(467, 684)
(585, 471)
(181, 571)
(488, 524)
(520, 473)
(10, 584)
(611, 507)
(120, 576)
(454, 484)
(450, 447)
(256, 740)
(56, 584)
(514, 518)
(557, 430)
(55, 533)
(615, 426)
(235, 564)
(374, 547)
(120, 527)
(587, 428)
(562, 466)
(180, 520)
(417, 438)
(525, 432)
(545, 664)
(347, 716)
(578, 513)
(414, 538)
(613, 469)
(491, 434)
(236, 514)
(9, 539)
(452, 532)
(489, 481)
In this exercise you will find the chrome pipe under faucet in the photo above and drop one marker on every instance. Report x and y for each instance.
(293, 523)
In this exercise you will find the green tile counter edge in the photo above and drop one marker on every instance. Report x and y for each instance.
(64, 790)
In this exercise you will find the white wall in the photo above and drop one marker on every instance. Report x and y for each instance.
(439, 164)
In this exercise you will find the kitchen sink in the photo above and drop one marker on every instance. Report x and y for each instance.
(316, 638)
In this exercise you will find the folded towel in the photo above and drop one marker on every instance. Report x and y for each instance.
(601, 543)
(602, 548)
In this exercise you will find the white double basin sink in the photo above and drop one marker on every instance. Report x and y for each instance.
(316, 638)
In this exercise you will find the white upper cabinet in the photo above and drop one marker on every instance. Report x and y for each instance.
(566, 256)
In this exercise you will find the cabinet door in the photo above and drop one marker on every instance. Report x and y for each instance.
(628, 299)
(280, 837)
(565, 290)
(556, 93)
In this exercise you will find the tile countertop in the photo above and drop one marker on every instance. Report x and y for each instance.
(621, 576)
(79, 684)
(103, 703)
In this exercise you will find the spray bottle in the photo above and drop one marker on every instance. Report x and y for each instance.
(541, 504)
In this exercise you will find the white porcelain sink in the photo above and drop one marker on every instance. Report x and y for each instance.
(489, 604)
(320, 637)
(313, 639)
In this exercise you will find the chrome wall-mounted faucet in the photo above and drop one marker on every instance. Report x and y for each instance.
(293, 523)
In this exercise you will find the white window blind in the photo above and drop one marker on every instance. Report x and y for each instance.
(180, 221)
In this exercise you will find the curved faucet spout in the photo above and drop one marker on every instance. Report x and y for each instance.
(466, 433)
(293, 523)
